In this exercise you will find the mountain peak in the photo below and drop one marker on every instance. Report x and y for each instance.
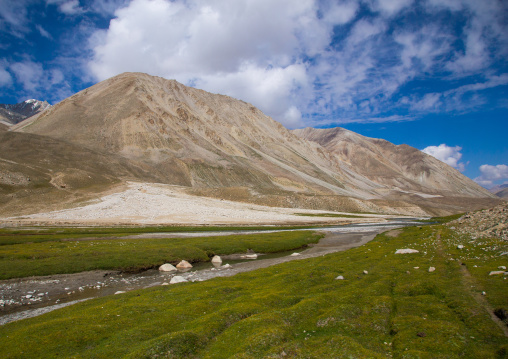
(14, 113)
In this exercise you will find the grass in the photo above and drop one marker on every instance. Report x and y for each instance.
(51, 234)
(295, 310)
(57, 257)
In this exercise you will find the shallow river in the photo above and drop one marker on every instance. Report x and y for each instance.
(29, 297)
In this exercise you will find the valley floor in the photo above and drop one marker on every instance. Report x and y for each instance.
(153, 204)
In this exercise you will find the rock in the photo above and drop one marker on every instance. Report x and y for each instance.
(496, 272)
(165, 283)
(226, 266)
(484, 293)
(119, 292)
(501, 267)
(177, 279)
(216, 259)
(460, 246)
(28, 296)
(421, 334)
(167, 267)
(295, 254)
(250, 256)
(340, 277)
(416, 267)
(432, 269)
(184, 265)
(406, 251)
(365, 272)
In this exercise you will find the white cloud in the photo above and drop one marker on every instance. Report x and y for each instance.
(449, 155)
(71, 7)
(252, 54)
(289, 58)
(43, 32)
(35, 80)
(389, 7)
(5, 76)
(491, 174)
(14, 16)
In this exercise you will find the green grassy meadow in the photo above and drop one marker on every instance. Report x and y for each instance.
(298, 309)
(24, 259)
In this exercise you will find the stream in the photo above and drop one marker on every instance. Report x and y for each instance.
(30, 297)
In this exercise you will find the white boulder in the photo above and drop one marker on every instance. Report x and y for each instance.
(184, 265)
(119, 292)
(295, 254)
(250, 256)
(226, 266)
(432, 269)
(460, 246)
(496, 272)
(406, 251)
(365, 272)
(340, 277)
(501, 267)
(177, 279)
(167, 267)
(216, 259)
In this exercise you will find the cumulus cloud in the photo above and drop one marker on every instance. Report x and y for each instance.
(449, 155)
(254, 62)
(293, 59)
(492, 174)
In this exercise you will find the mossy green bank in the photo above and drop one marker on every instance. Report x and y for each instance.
(58, 257)
(387, 306)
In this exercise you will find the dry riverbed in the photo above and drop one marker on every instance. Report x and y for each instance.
(158, 204)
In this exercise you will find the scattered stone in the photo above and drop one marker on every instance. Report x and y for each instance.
(178, 279)
(501, 267)
(250, 256)
(340, 277)
(406, 251)
(431, 269)
(460, 246)
(416, 267)
(119, 292)
(167, 267)
(28, 296)
(184, 265)
(165, 283)
(421, 334)
(225, 266)
(484, 293)
(216, 259)
(365, 272)
(496, 272)
(295, 254)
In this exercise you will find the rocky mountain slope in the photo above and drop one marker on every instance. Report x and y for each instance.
(492, 222)
(12, 114)
(222, 147)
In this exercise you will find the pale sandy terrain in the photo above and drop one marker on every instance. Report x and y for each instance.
(144, 203)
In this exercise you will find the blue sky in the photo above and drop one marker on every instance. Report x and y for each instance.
(429, 73)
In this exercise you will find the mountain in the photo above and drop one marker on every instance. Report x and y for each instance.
(500, 191)
(222, 147)
(39, 173)
(12, 114)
